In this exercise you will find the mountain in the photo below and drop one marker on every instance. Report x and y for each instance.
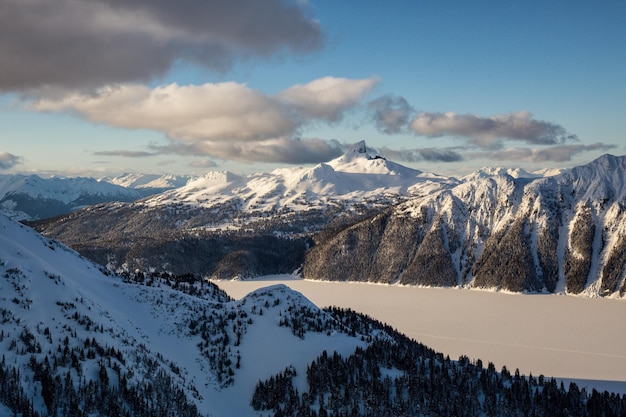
(353, 179)
(30, 197)
(563, 233)
(149, 184)
(77, 340)
(226, 225)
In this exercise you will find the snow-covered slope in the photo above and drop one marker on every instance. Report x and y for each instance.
(32, 197)
(190, 347)
(149, 184)
(564, 233)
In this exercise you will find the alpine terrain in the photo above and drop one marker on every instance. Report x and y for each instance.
(563, 233)
(77, 340)
(225, 225)
(30, 197)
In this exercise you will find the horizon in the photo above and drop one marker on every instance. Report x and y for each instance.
(546, 171)
(100, 89)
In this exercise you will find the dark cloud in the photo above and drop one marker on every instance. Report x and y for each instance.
(490, 131)
(422, 154)
(390, 113)
(205, 163)
(126, 154)
(558, 153)
(440, 155)
(285, 150)
(8, 160)
(79, 43)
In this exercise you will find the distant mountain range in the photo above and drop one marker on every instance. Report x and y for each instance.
(79, 340)
(362, 217)
(29, 197)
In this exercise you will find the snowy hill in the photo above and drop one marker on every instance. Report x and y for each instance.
(32, 197)
(194, 341)
(564, 233)
(78, 341)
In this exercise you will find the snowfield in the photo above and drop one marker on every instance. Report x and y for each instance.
(572, 338)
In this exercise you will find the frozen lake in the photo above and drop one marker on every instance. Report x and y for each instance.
(571, 338)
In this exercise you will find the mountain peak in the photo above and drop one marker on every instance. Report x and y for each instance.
(358, 147)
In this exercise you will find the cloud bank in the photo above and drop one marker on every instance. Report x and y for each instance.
(78, 43)
(558, 153)
(8, 160)
(489, 131)
(224, 120)
(125, 154)
(422, 154)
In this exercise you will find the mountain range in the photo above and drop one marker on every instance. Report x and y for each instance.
(30, 197)
(564, 233)
(362, 217)
(77, 339)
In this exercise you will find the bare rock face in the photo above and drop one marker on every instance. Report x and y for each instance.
(564, 233)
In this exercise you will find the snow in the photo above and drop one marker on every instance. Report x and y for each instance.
(65, 190)
(353, 178)
(571, 338)
(140, 181)
(148, 320)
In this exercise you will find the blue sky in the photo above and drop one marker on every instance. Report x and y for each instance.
(110, 86)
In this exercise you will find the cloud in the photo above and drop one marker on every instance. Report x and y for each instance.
(126, 154)
(220, 112)
(390, 113)
(558, 153)
(8, 160)
(488, 132)
(287, 150)
(327, 98)
(77, 43)
(205, 163)
(423, 154)
(225, 120)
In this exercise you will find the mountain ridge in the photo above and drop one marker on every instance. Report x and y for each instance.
(561, 233)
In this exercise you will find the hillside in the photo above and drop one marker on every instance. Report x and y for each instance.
(564, 233)
(78, 341)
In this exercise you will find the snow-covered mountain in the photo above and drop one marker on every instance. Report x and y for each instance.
(353, 179)
(29, 197)
(149, 184)
(79, 341)
(563, 233)
(227, 225)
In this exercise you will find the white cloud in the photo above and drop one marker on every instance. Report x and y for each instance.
(219, 112)
(225, 120)
(327, 98)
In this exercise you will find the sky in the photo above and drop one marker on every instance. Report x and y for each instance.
(102, 87)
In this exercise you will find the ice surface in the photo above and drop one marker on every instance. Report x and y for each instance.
(572, 338)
